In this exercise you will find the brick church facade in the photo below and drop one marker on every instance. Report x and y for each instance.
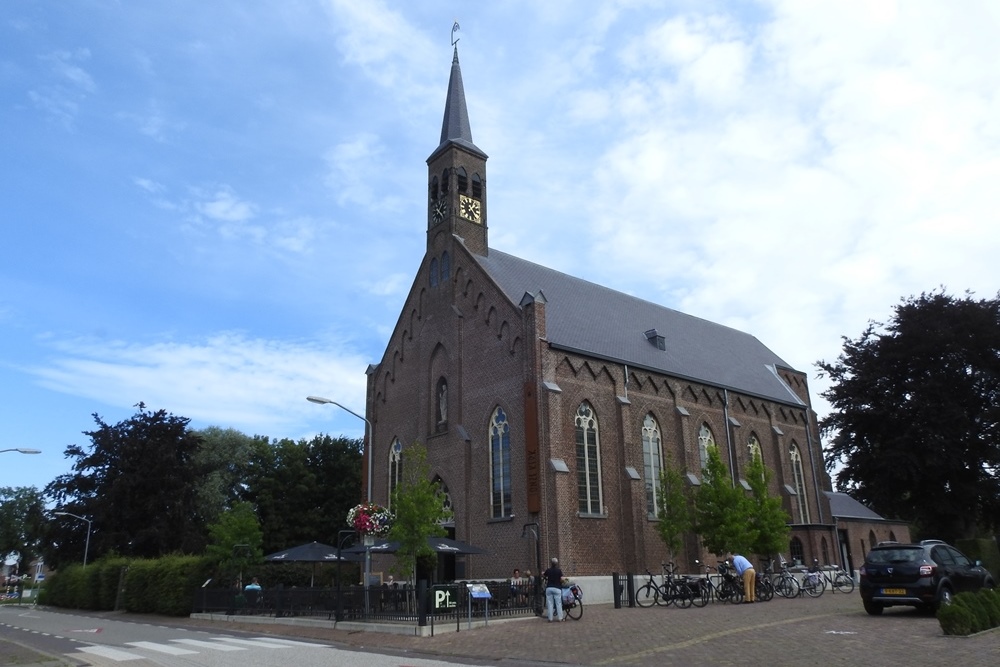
(549, 404)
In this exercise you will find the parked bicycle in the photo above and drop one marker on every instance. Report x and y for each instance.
(784, 582)
(721, 585)
(812, 583)
(668, 592)
(572, 601)
(837, 578)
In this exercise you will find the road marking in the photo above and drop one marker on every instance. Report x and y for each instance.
(208, 645)
(292, 642)
(162, 648)
(257, 643)
(112, 653)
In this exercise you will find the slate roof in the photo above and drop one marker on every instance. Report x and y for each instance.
(455, 126)
(596, 321)
(842, 506)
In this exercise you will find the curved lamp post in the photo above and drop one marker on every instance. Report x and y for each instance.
(368, 496)
(21, 450)
(86, 547)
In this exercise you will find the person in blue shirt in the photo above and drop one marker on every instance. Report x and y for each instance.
(745, 569)
(254, 585)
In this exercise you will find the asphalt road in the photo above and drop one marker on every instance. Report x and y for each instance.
(832, 630)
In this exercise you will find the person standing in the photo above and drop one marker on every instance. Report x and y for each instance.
(553, 591)
(744, 568)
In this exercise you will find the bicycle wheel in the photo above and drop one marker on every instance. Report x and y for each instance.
(702, 594)
(844, 582)
(734, 592)
(812, 587)
(678, 594)
(764, 590)
(787, 587)
(576, 611)
(647, 596)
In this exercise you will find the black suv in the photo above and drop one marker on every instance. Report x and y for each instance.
(923, 575)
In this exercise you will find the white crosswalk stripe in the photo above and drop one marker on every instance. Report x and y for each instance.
(110, 653)
(214, 646)
(259, 643)
(192, 647)
(162, 648)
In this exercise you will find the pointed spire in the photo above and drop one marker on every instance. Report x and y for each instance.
(455, 127)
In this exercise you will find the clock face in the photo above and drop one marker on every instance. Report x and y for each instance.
(470, 208)
(439, 210)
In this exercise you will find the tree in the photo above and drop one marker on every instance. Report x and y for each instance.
(303, 490)
(136, 483)
(22, 523)
(767, 518)
(721, 510)
(915, 426)
(235, 540)
(419, 507)
(673, 513)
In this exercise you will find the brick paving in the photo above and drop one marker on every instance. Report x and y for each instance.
(831, 630)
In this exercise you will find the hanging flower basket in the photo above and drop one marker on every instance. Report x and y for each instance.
(370, 519)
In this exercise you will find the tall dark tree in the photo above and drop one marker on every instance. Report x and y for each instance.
(136, 483)
(22, 523)
(915, 427)
(303, 490)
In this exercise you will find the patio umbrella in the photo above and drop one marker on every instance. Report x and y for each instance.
(314, 552)
(441, 545)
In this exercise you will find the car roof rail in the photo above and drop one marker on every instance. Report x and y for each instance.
(926, 542)
(886, 543)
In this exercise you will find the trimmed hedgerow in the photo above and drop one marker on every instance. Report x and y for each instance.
(970, 613)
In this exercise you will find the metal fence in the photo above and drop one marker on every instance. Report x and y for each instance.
(422, 605)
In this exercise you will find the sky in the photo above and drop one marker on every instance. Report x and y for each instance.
(217, 208)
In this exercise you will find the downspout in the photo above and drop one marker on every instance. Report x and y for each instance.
(729, 439)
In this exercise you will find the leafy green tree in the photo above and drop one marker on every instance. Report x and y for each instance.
(235, 540)
(303, 490)
(914, 430)
(224, 459)
(22, 523)
(136, 482)
(419, 505)
(722, 509)
(674, 513)
(767, 518)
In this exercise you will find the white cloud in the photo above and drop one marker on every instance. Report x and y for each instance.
(227, 379)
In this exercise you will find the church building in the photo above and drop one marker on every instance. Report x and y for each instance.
(548, 404)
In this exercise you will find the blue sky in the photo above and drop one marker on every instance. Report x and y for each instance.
(217, 208)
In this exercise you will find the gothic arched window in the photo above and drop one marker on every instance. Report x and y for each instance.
(705, 440)
(477, 186)
(445, 266)
(500, 495)
(434, 272)
(588, 461)
(652, 463)
(395, 467)
(800, 483)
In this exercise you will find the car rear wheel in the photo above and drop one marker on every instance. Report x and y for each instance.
(944, 597)
(874, 608)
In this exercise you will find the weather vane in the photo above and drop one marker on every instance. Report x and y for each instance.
(455, 28)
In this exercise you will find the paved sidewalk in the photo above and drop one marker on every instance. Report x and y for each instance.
(830, 631)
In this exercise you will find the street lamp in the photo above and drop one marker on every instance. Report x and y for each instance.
(21, 450)
(86, 548)
(368, 433)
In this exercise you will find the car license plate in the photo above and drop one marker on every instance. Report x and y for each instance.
(893, 591)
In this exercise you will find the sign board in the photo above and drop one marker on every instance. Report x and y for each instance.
(479, 591)
(40, 576)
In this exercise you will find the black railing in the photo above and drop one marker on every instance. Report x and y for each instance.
(395, 603)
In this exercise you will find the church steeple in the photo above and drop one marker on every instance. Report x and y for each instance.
(457, 175)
